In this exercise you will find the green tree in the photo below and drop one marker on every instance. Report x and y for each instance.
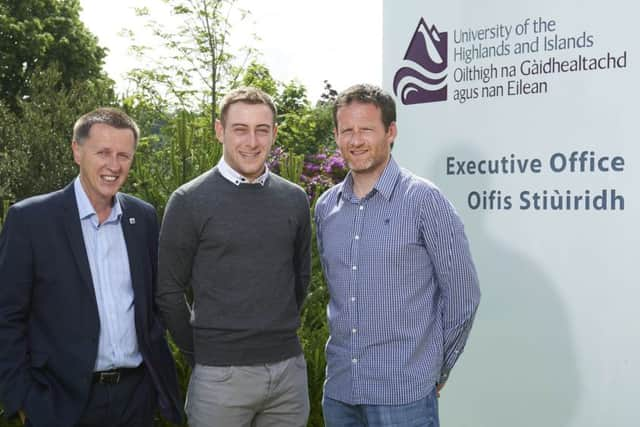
(296, 128)
(324, 115)
(35, 153)
(35, 34)
(304, 129)
(198, 65)
(259, 76)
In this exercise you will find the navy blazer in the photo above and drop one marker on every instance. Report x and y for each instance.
(49, 324)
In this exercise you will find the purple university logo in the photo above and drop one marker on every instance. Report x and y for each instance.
(424, 70)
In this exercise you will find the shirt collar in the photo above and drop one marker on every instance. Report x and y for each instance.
(385, 185)
(234, 177)
(85, 208)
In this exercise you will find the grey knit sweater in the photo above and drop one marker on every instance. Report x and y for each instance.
(244, 251)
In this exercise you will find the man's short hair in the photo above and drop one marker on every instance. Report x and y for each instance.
(248, 95)
(367, 94)
(105, 115)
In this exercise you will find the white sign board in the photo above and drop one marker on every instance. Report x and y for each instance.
(525, 114)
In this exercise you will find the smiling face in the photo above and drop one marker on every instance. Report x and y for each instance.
(247, 136)
(364, 142)
(105, 158)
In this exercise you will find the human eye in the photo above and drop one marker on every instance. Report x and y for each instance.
(264, 130)
(240, 130)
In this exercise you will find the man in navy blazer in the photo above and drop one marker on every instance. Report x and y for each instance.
(80, 340)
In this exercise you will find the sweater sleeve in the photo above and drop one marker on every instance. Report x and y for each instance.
(177, 247)
(302, 254)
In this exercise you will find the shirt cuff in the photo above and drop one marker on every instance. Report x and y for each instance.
(444, 376)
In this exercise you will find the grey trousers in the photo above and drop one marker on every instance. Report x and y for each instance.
(272, 394)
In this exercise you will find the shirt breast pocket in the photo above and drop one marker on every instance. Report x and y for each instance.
(400, 241)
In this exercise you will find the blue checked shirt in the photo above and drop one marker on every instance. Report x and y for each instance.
(403, 288)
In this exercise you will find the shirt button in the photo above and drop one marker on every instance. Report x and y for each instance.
(354, 330)
(353, 299)
(354, 360)
(354, 267)
(357, 237)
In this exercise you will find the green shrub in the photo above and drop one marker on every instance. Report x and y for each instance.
(313, 334)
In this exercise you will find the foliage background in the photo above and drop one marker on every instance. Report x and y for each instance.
(51, 73)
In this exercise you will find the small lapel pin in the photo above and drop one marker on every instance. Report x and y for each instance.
(132, 221)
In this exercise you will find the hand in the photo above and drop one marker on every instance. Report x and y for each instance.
(23, 417)
(438, 388)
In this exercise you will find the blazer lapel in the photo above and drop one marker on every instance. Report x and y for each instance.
(71, 220)
(132, 229)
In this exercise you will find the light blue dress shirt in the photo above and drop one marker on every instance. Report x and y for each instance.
(403, 288)
(109, 264)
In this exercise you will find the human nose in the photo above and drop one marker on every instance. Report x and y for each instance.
(356, 138)
(253, 139)
(113, 162)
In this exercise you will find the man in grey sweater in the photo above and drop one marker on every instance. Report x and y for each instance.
(239, 237)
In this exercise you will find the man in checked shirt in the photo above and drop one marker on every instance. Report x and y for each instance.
(402, 284)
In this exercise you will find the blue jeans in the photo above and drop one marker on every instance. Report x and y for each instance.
(421, 413)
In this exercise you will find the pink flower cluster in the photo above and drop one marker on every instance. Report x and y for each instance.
(320, 171)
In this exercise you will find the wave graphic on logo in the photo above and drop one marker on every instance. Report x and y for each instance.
(422, 77)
